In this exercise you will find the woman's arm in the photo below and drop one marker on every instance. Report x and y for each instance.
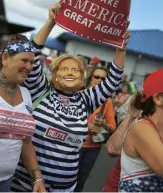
(110, 124)
(96, 96)
(148, 145)
(36, 82)
(114, 144)
(29, 160)
(107, 121)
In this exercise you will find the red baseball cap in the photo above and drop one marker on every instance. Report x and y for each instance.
(48, 60)
(153, 84)
(95, 60)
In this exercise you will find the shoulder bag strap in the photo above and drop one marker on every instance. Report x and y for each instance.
(35, 105)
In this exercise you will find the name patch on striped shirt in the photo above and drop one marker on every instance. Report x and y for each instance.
(59, 135)
(52, 133)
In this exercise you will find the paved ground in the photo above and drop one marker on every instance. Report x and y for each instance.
(98, 175)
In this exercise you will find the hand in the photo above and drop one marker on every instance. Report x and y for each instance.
(54, 11)
(98, 122)
(39, 187)
(93, 129)
(126, 38)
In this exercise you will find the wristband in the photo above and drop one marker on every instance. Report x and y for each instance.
(38, 180)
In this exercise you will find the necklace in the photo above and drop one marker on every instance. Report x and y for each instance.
(10, 89)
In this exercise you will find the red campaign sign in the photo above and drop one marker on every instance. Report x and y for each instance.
(103, 21)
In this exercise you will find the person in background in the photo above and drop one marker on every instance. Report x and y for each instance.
(90, 150)
(85, 62)
(121, 99)
(124, 78)
(47, 61)
(61, 111)
(141, 160)
(133, 86)
(122, 111)
(16, 122)
(93, 62)
(124, 81)
(114, 145)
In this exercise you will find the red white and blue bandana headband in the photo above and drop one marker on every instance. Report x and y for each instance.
(18, 47)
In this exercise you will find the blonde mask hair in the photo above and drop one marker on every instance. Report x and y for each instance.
(55, 65)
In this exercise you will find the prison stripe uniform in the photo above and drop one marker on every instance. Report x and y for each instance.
(61, 127)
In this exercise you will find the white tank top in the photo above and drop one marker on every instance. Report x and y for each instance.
(10, 149)
(133, 166)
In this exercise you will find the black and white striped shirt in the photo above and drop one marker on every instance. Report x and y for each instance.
(61, 127)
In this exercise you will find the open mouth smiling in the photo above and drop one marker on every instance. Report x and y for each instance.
(69, 79)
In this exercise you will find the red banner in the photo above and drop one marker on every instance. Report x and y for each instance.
(103, 21)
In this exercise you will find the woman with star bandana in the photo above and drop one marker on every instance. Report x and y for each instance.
(16, 122)
(61, 111)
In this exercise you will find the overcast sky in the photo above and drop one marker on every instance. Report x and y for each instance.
(145, 14)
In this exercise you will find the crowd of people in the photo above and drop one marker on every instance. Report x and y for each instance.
(52, 128)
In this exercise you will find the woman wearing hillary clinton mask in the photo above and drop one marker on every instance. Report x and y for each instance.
(61, 111)
(16, 121)
(141, 156)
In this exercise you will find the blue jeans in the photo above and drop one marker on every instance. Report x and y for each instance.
(5, 185)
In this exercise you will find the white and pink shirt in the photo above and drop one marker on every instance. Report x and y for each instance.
(16, 123)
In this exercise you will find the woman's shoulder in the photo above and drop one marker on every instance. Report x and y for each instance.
(139, 123)
(142, 127)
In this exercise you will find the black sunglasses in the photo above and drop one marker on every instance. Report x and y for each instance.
(99, 77)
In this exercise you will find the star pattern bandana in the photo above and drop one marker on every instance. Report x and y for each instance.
(18, 47)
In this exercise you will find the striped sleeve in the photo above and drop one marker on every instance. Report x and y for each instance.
(36, 82)
(96, 96)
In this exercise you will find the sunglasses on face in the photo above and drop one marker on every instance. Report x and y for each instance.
(99, 77)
